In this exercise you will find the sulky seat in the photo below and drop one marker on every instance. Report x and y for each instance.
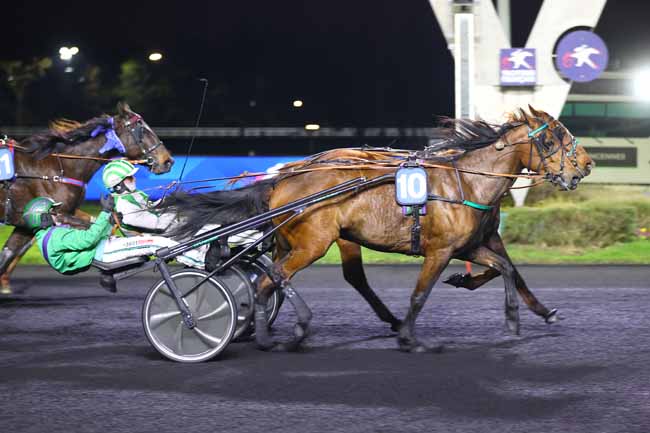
(107, 280)
(111, 267)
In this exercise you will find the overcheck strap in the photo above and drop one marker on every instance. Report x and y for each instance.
(534, 132)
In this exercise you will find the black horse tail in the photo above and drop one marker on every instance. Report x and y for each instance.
(217, 207)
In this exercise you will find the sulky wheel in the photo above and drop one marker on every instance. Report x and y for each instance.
(241, 288)
(256, 269)
(214, 310)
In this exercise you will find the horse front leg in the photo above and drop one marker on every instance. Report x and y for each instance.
(550, 316)
(473, 282)
(16, 246)
(353, 272)
(486, 257)
(431, 269)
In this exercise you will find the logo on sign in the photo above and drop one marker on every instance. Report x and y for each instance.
(518, 67)
(581, 56)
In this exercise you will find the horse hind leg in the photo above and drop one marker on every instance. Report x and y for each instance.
(280, 275)
(353, 273)
(303, 313)
(16, 246)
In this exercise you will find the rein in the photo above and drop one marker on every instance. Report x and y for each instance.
(97, 158)
(367, 165)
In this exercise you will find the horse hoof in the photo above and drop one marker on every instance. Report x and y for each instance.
(396, 325)
(266, 345)
(299, 331)
(457, 280)
(412, 346)
(513, 327)
(419, 348)
(552, 316)
(6, 290)
(279, 348)
(291, 346)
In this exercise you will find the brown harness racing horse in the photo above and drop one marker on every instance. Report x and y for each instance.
(58, 164)
(460, 220)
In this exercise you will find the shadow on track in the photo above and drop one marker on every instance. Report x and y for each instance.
(474, 383)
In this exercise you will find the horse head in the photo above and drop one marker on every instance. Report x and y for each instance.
(553, 151)
(140, 141)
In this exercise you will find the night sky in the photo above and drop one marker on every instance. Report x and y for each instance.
(360, 62)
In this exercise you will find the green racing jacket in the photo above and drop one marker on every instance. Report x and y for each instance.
(70, 250)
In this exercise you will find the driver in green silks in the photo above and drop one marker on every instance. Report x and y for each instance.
(69, 250)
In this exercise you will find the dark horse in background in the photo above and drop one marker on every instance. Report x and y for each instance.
(46, 166)
(371, 218)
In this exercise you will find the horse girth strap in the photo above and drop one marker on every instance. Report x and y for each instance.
(7, 205)
(478, 206)
(416, 230)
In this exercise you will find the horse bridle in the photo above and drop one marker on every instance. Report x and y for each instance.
(135, 127)
(539, 142)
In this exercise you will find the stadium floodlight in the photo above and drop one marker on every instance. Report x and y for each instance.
(297, 103)
(312, 127)
(67, 53)
(641, 83)
(155, 57)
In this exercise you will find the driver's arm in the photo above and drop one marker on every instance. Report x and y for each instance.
(81, 240)
(143, 219)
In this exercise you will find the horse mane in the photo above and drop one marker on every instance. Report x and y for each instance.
(61, 134)
(64, 125)
(456, 137)
(216, 207)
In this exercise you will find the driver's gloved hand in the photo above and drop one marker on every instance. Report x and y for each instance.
(107, 202)
(116, 218)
